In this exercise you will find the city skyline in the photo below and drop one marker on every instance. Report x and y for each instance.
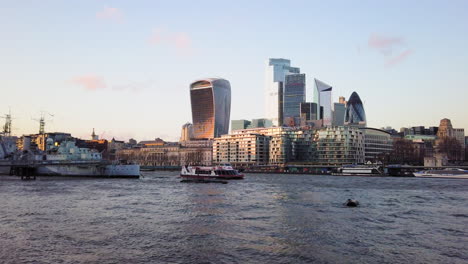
(117, 68)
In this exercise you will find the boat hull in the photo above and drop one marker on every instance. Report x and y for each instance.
(210, 177)
(451, 176)
(108, 171)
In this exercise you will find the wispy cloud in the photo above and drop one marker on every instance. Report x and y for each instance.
(180, 41)
(90, 82)
(111, 13)
(399, 58)
(388, 46)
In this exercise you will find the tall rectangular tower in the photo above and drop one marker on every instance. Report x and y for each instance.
(275, 79)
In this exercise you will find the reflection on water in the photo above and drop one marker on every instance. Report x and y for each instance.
(264, 218)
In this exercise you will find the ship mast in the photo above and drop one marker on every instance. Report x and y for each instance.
(42, 122)
(6, 130)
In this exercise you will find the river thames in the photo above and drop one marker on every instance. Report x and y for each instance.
(262, 219)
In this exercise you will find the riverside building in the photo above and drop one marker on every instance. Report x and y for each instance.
(285, 144)
(377, 142)
(241, 150)
(340, 145)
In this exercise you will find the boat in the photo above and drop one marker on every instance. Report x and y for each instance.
(455, 173)
(70, 160)
(358, 170)
(222, 172)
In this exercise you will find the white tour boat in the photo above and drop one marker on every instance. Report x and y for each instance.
(443, 173)
(223, 172)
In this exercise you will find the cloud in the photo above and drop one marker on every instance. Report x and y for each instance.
(381, 42)
(399, 58)
(90, 82)
(388, 46)
(180, 41)
(111, 13)
(93, 82)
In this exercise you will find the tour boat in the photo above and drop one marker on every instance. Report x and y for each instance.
(356, 170)
(443, 173)
(223, 172)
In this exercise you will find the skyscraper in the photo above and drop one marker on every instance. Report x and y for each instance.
(211, 107)
(294, 94)
(323, 98)
(355, 114)
(339, 110)
(275, 79)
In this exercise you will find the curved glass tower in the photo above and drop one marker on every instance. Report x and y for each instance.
(211, 107)
(355, 114)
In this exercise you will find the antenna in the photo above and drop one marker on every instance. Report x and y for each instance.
(42, 121)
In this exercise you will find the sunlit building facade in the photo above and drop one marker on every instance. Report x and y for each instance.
(355, 114)
(323, 98)
(211, 107)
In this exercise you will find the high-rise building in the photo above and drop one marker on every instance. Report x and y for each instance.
(275, 77)
(355, 114)
(211, 107)
(323, 98)
(294, 94)
(338, 114)
(309, 111)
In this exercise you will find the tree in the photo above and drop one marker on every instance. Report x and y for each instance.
(451, 147)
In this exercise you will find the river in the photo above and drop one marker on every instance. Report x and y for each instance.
(262, 219)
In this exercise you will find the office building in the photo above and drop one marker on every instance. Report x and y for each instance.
(275, 78)
(323, 98)
(355, 114)
(377, 143)
(294, 94)
(211, 107)
(338, 114)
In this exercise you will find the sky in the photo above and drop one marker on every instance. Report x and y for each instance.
(124, 67)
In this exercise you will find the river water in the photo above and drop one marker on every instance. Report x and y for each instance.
(262, 219)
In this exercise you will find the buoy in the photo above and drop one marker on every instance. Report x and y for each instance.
(352, 203)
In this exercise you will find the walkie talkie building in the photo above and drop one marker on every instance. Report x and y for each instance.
(211, 107)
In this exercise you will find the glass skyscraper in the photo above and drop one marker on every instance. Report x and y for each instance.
(294, 94)
(275, 79)
(211, 107)
(355, 114)
(323, 98)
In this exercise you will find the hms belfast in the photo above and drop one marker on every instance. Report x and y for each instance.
(23, 157)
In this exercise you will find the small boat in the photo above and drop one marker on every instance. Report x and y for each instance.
(224, 172)
(357, 170)
(455, 173)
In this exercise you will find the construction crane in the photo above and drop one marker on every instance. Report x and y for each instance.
(42, 121)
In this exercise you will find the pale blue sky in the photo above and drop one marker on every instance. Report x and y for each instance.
(123, 67)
